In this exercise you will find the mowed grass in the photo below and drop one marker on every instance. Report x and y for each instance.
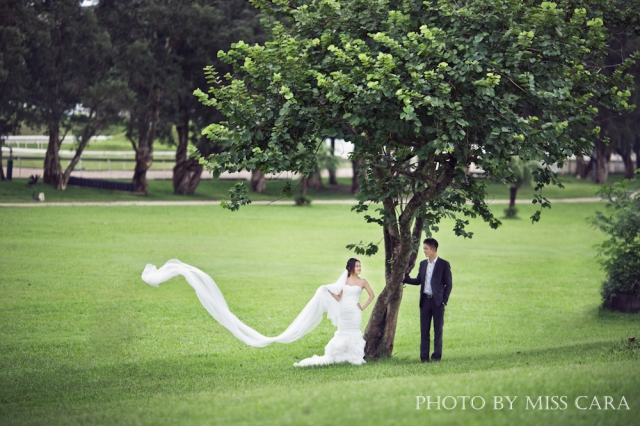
(17, 191)
(84, 341)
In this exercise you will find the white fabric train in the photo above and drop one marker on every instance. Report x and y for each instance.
(213, 301)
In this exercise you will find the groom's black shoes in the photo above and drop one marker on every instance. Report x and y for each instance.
(435, 359)
(424, 360)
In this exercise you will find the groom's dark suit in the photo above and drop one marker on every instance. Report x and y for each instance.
(432, 307)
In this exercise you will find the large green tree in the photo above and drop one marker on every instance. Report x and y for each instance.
(422, 89)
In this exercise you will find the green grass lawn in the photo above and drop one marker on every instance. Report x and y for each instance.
(16, 191)
(85, 341)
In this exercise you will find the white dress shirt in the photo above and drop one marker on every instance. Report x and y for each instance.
(427, 281)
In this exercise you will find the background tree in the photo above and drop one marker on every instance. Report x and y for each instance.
(195, 48)
(162, 47)
(332, 170)
(13, 72)
(425, 90)
(523, 175)
(63, 58)
(325, 160)
(624, 129)
(620, 130)
(102, 103)
(143, 36)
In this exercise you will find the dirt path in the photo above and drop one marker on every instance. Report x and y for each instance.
(259, 203)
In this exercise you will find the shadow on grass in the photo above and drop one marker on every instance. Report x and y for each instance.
(605, 314)
(197, 373)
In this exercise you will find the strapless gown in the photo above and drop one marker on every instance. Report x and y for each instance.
(347, 344)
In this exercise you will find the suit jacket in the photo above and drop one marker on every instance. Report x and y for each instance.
(441, 282)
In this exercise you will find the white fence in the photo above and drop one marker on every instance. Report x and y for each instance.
(615, 165)
(42, 141)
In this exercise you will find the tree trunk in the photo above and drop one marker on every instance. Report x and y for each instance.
(315, 181)
(52, 169)
(186, 177)
(602, 153)
(512, 196)
(64, 178)
(187, 171)
(303, 186)
(332, 172)
(636, 149)
(401, 251)
(144, 158)
(258, 181)
(628, 164)
(580, 166)
(1, 169)
(583, 169)
(355, 186)
(89, 130)
(144, 150)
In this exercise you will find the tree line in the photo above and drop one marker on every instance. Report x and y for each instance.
(121, 61)
(138, 63)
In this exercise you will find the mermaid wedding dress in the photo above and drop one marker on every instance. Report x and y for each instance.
(347, 344)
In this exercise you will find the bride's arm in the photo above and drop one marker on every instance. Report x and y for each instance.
(367, 287)
(336, 296)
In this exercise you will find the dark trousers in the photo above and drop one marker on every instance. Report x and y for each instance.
(429, 311)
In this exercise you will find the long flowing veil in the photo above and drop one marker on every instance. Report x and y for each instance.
(213, 301)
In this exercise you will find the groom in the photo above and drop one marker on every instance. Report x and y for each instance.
(434, 279)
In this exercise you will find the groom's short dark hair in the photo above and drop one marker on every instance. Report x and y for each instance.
(431, 242)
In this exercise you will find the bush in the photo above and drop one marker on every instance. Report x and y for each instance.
(623, 276)
(301, 200)
(510, 212)
(621, 252)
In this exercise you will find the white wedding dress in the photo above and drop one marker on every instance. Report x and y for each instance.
(347, 344)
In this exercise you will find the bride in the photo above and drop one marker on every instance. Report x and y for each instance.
(339, 300)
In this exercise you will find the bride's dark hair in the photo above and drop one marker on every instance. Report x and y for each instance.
(351, 265)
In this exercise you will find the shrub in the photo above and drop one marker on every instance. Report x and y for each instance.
(621, 251)
(510, 212)
(302, 200)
